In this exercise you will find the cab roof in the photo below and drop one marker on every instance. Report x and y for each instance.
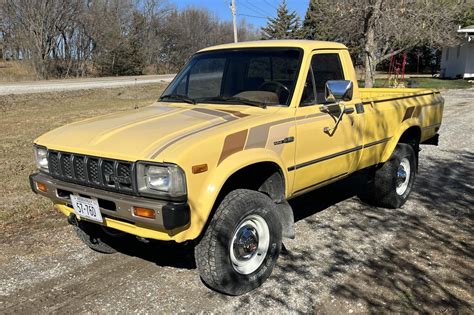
(290, 43)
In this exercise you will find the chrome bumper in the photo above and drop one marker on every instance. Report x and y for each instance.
(168, 215)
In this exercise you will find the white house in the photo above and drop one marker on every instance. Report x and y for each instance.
(458, 61)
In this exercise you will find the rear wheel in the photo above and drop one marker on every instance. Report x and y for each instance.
(241, 245)
(392, 183)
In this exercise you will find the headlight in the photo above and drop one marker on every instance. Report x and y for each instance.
(41, 155)
(161, 180)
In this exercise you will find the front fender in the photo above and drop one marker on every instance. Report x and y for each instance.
(205, 198)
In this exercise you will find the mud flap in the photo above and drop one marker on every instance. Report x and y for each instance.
(287, 220)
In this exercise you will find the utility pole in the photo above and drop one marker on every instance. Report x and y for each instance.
(234, 18)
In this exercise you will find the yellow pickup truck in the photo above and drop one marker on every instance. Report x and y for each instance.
(239, 131)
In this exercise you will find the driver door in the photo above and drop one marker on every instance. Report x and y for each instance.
(323, 156)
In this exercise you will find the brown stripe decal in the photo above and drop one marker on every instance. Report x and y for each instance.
(408, 113)
(401, 97)
(234, 112)
(215, 113)
(367, 145)
(258, 135)
(233, 143)
(417, 112)
(161, 149)
(334, 155)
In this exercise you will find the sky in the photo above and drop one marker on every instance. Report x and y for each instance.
(253, 11)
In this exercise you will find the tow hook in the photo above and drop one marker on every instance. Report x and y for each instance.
(72, 219)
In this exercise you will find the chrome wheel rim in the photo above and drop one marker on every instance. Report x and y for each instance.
(249, 244)
(403, 176)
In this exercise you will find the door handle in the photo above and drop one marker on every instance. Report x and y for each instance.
(285, 140)
(348, 110)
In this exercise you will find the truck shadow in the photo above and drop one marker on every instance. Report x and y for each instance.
(170, 254)
(418, 258)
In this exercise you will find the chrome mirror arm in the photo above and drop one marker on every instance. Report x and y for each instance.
(330, 131)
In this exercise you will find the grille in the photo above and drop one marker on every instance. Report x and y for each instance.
(92, 171)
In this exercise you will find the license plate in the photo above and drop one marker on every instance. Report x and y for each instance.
(86, 208)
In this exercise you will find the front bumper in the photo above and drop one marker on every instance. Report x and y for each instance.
(116, 208)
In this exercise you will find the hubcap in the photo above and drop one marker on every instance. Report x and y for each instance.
(246, 242)
(249, 244)
(403, 176)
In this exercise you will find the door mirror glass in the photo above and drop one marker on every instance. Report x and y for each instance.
(339, 90)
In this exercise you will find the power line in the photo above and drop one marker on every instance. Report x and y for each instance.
(253, 8)
(253, 16)
(258, 7)
(271, 5)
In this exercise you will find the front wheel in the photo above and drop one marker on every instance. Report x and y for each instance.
(392, 183)
(241, 245)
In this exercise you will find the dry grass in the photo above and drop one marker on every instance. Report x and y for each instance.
(25, 117)
(13, 71)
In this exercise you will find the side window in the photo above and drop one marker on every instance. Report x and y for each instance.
(325, 67)
(308, 97)
(205, 78)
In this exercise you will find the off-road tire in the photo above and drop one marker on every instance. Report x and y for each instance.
(95, 237)
(381, 189)
(213, 251)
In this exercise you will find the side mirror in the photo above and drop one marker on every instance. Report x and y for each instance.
(339, 90)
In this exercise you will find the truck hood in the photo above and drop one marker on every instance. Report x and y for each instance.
(139, 134)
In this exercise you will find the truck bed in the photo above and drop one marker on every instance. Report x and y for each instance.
(386, 94)
(405, 104)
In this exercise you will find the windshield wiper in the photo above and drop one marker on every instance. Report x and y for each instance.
(234, 99)
(178, 97)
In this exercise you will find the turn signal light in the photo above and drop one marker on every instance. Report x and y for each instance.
(144, 212)
(41, 187)
(201, 168)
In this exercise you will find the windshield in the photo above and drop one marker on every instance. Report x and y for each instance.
(257, 77)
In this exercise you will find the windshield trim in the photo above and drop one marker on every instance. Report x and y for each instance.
(298, 69)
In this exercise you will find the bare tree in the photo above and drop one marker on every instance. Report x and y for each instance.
(107, 37)
(379, 28)
(185, 32)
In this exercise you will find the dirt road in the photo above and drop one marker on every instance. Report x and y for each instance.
(347, 257)
(80, 84)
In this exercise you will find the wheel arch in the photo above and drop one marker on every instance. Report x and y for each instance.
(265, 175)
(410, 134)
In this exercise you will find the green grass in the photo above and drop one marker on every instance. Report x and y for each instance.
(429, 83)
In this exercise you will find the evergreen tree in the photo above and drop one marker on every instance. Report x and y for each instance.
(286, 25)
(310, 23)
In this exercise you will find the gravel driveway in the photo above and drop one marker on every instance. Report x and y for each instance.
(80, 84)
(347, 257)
